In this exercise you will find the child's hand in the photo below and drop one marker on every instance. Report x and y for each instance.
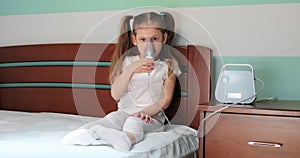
(144, 65)
(143, 116)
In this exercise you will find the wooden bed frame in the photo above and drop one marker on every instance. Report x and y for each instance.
(73, 79)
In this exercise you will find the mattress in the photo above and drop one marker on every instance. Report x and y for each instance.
(35, 135)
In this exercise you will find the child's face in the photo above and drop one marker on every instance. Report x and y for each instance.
(150, 34)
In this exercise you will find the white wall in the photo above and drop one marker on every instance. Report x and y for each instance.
(229, 30)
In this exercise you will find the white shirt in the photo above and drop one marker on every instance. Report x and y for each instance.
(144, 89)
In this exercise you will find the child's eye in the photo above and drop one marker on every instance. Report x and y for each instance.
(143, 39)
(154, 39)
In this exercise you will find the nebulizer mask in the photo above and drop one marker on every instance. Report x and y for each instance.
(149, 53)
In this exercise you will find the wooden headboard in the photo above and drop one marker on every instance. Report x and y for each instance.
(73, 79)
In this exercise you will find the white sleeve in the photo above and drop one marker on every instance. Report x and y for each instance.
(176, 69)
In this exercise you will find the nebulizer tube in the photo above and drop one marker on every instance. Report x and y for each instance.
(149, 54)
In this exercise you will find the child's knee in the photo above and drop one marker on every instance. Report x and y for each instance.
(135, 127)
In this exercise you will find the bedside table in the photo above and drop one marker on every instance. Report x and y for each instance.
(262, 130)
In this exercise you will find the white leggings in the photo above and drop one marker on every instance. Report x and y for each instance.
(120, 120)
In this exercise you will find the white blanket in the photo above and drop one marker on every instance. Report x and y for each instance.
(36, 135)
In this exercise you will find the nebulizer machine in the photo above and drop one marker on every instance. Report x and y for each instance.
(236, 84)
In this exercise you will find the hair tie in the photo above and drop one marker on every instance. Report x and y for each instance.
(131, 23)
(162, 15)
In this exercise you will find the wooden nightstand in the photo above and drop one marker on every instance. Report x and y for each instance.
(262, 130)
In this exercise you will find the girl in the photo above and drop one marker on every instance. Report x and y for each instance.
(142, 85)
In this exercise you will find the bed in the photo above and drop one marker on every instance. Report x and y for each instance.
(47, 90)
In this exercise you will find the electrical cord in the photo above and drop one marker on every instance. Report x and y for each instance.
(213, 113)
(228, 106)
(210, 115)
(266, 99)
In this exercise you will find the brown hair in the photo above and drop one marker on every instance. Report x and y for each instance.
(163, 21)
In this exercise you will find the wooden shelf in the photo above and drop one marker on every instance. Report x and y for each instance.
(274, 108)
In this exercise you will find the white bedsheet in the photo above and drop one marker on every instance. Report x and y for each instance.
(38, 135)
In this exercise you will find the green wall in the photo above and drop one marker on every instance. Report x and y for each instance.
(17, 7)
